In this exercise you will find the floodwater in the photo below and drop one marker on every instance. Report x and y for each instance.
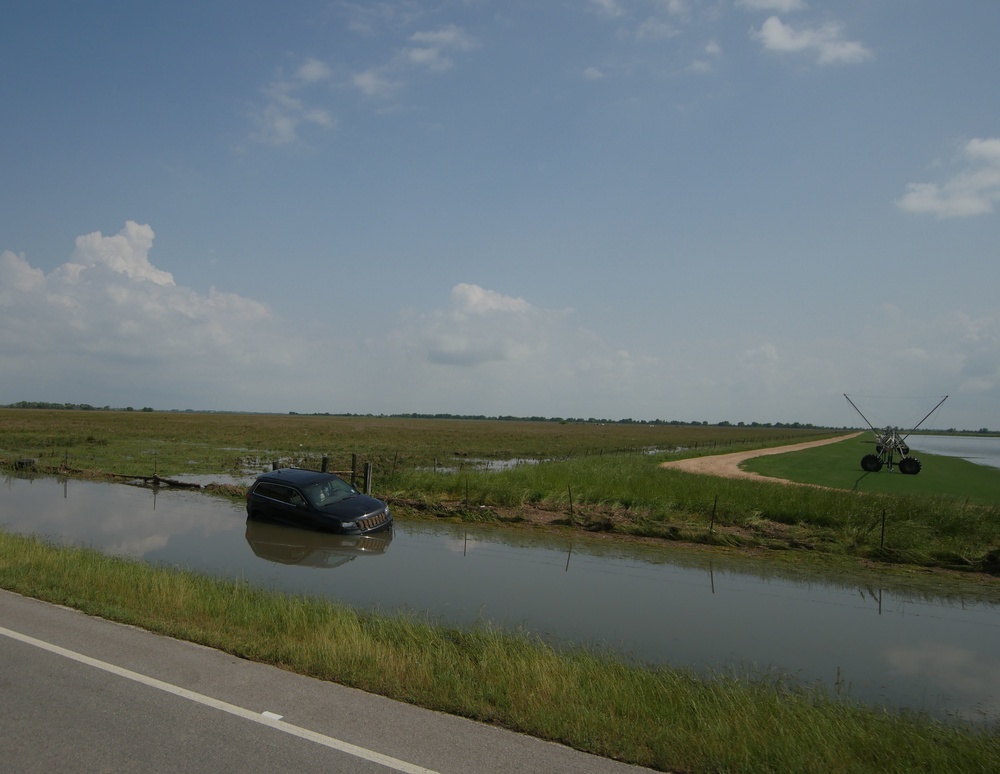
(660, 606)
(980, 450)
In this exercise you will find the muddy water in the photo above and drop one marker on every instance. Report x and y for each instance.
(661, 606)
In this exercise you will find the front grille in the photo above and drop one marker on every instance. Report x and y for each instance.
(373, 521)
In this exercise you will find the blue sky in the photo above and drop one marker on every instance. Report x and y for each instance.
(700, 210)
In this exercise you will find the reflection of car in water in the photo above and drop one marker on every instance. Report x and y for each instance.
(290, 545)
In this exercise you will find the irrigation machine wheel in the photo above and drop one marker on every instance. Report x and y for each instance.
(909, 465)
(872, 463)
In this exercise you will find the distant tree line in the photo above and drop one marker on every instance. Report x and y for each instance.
(578, 420)
(37, 404)
(33, 404)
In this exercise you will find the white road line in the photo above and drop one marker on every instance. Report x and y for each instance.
(265, 719)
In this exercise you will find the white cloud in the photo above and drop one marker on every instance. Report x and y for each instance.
(483, 326)
(825, 42)
(766, 353)
(775, 6)
(450, 36)
(654, 29)
(972, 191)
(373, 83)
(312, 71)
(491, 353)
(610, 8)
(126, 253)
(433, 45)
(285, 110)
(431, 53)
(109, 325)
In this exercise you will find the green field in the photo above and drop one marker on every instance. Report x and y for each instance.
(667, 719)
(838, 465)
(175, 443)
(603, 479)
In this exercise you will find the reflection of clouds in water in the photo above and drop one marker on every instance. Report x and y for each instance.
(128, 520)
(938, 656)
(958, 670)
(138, 548)
(460, 545)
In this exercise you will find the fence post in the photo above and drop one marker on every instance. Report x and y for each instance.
(354, 469)
(368, 478)
(711, 524)
(325, 464)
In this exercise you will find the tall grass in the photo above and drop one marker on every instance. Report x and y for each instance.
(663, 718)
(631, 494)
(181, 442)
(591, 476)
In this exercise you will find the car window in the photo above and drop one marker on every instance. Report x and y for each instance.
(276, 492)
(332, 490)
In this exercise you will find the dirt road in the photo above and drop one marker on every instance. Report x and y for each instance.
(728, 465)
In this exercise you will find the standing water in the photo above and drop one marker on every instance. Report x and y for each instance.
(856, 637)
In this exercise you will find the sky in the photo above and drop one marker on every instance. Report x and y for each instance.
(693, 210)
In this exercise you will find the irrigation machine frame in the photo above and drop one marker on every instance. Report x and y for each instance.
(889, 443)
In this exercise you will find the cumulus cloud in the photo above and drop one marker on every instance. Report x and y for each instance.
(824, 42)
(973, 190)
(483, 326)
(109, 327)
(125, 253)
(108, 320)
(488, 352)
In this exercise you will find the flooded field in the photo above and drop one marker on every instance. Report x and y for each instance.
(661, 606)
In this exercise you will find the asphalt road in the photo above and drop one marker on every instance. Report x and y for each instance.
(83, 694)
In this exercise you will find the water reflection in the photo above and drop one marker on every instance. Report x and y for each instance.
(289, 545)
(859, 636)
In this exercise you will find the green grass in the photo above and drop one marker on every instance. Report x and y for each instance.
(630, 495)
(593, 477)
(838, 465)
(175, 443)
(663, 718)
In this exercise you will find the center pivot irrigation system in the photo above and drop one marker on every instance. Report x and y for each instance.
(889, 443)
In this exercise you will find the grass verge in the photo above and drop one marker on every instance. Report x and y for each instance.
(952, 523)
(662, 718)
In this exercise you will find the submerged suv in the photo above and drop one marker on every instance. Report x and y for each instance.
(309, 498)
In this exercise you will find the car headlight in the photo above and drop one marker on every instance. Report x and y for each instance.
(349, 525)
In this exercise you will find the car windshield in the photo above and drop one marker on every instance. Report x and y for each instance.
(330, 491)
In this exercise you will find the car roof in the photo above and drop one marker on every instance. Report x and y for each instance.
(296, 476)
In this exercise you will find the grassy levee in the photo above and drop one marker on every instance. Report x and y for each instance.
(953, 521)
(663, 718)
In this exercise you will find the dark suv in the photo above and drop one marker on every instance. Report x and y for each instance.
(309, 498)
